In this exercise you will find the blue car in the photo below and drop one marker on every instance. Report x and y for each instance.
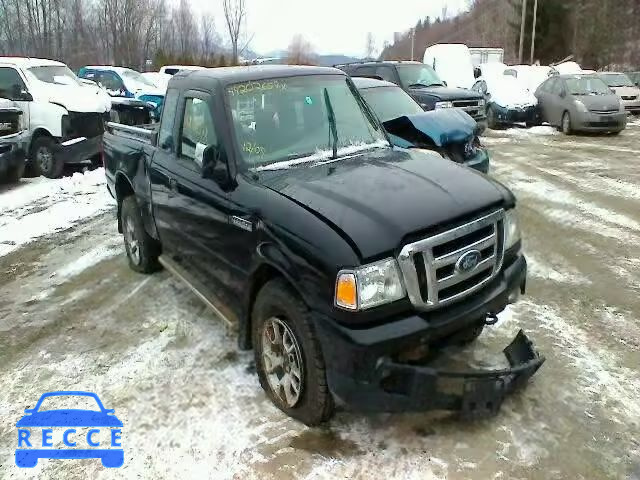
(450, 132)
(125, 82)
(34, 418)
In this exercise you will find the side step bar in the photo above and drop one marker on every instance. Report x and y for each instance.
(198, 288)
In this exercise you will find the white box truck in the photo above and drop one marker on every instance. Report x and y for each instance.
(452, 62)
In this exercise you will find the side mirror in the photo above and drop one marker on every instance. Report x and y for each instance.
(476, 72)
(444, 82)
(215, 165)
(21, 94)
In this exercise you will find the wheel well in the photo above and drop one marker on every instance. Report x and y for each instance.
(260, 277)
(37, 133)
(123, 190)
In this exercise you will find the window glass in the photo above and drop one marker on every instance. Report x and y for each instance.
(366, 71)
(57, 74)
(284, 119)
(197, 130)
(418, 75)
(617, 80)
(587, 85)
(557, 87)
(511, 72)
(165, 134)
(8, 79)
(390, 102)
(386, 73)
(111, 82)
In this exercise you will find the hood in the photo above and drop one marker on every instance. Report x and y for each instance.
(85, 98)
(626, 91)
(600, 102)
(442, 127)
(445, 93)
(69, 418)
(509, 93)
(379, 197)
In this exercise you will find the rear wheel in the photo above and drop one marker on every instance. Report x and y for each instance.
(44, 161)
(566, 124)
(288, 357)
(142, 250)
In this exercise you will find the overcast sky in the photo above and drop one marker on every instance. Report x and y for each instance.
(332, 26)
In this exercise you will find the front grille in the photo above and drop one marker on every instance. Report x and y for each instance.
(9, 122)
(604, 112)
(629, 97)
(608, 123)
(430, 267)
(85, 124)
(465, 104)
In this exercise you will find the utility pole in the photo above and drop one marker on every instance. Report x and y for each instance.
(413, 37)
(522, 22)
(533, 30)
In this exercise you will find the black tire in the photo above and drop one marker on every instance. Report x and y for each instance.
(566, 124)
(142, 250)
(43, 159)
(492, 121)
(468, 335)
(278, 300)
(13, 174)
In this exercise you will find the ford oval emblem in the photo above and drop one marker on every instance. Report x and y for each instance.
(468, 261)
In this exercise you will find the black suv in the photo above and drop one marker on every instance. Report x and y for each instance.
(423, 84)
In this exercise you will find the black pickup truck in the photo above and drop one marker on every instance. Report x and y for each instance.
(274, 193)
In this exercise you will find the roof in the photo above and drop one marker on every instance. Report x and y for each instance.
(380, 62)
(364, 82)
(107, 67)
(185, 67)
(250, 73)
(26, 62)
(610, 73)
(564, 76)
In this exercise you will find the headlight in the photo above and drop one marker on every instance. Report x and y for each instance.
(443, 105)
(581, 106)
(369, 286)
(511, 229)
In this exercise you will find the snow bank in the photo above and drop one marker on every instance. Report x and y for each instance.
(38, 207)
(543, 130)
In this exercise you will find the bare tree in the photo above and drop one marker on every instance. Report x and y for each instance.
(370, 46)
(234, 14)
(300, 51)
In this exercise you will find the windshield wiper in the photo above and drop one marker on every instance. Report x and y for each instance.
(332, 123)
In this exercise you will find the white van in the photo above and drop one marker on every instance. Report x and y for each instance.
(452, 62)
(62, 115)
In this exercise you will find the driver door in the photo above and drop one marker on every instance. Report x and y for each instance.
(11, 83)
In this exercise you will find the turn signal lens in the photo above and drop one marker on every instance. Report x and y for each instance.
(346, 291)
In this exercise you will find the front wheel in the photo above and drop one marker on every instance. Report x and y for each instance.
(288, 357)
(142, 250)
(44, 161)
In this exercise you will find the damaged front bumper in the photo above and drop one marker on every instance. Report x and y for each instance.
(472, 393)
(78, 149)
(364, 372)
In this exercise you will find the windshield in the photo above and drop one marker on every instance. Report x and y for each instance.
(617, 80)
(284, 121)
(587, 86)
(418, 75)
(57, 74)
(390, 102)
(136, 77)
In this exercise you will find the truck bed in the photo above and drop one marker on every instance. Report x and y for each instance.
(144, 133)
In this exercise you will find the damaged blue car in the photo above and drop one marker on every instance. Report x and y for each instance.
(451, 132)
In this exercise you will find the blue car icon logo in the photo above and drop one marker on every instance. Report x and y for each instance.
(28, 451)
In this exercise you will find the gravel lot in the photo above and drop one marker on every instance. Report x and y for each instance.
(74, 317)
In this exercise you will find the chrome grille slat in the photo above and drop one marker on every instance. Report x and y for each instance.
(452, 257)
(459, 240)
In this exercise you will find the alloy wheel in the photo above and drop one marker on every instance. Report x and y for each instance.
(282, 361)
(133, 245)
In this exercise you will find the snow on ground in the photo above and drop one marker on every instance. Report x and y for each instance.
(37, 207)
